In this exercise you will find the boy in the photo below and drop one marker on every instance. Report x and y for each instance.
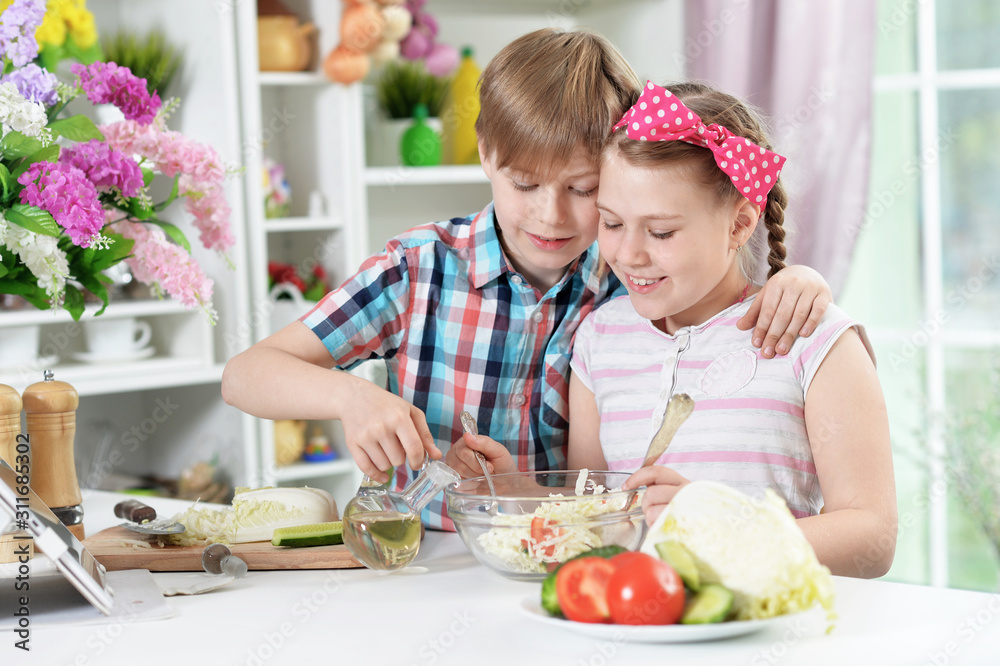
(476, 313)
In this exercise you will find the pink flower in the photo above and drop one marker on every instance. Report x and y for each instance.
(107, 83)
(105, 167)
(64, 191)
(155, 260)
(202, 174)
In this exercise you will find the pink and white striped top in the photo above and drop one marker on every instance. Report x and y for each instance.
(748, 427)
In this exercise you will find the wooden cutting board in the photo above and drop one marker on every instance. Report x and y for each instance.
(107, 547)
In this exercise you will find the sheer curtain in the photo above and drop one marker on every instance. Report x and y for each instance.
(808, 66)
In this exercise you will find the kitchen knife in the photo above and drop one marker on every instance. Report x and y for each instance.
(142, 519)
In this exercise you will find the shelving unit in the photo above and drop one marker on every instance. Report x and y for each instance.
(318, 130)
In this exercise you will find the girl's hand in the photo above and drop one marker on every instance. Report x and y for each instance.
(462, 456)
(789, 305)
(662, 483)
(382, 431)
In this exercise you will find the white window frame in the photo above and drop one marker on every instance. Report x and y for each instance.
(927, 82)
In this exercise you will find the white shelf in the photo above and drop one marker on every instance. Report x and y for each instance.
(98, 379)
(292, 79)
(280, 224)
(434, 175)
(144, 308)
(308, 470)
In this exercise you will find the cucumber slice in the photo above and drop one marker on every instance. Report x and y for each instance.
(317, 534)
(679, 557)
(711, 604)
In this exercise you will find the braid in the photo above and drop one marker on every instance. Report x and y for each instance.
(774, 217)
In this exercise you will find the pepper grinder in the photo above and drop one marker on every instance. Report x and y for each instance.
(10, 423)
(50, 407)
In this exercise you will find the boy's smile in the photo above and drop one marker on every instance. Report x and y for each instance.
(546, 221)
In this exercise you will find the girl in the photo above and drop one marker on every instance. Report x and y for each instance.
(686, 180)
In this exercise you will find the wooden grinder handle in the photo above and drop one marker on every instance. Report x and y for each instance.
(10, 422)
(50, 407)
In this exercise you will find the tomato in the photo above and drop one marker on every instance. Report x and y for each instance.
(541, 537)
(581, 587)
(643, 590)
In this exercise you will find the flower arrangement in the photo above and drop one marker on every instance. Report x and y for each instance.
(277, 193)
(70, 212)
(313, 286)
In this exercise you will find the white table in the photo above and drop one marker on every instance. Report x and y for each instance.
(448, 609)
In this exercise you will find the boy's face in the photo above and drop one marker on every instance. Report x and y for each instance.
(669, 242)
(546, 220)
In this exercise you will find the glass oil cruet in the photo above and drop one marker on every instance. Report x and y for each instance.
(382, 527)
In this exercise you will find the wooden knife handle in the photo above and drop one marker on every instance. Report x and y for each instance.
(135, 511)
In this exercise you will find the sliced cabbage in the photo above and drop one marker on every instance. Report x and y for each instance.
(751, 546)
(254, 516)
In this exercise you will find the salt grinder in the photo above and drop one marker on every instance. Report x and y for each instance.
(10, 423)
(50, 408)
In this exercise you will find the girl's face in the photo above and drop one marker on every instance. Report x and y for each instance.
(670, 242)
(546, 220)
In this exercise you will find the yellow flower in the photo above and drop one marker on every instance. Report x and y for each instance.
(52, 30)
(81, 26)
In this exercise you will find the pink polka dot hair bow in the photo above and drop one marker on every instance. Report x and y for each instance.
(659, 116)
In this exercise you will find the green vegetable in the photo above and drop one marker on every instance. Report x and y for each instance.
(677, 556)
(550, 600)
(711, 604)
(752, 546)
(317, 534)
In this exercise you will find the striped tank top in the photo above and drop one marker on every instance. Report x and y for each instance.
(748, 427)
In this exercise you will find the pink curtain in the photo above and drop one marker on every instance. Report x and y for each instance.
(808, 66)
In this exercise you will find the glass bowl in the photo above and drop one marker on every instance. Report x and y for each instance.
(538, 521)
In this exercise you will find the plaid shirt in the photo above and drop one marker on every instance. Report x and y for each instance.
(459, 329)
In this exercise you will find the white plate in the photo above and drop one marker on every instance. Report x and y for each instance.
(136, 355)
(670, 633)
(37, 363)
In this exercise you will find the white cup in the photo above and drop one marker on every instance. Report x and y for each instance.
(115, 337)
(18, 345)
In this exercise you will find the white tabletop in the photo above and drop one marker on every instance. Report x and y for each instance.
(448, 609)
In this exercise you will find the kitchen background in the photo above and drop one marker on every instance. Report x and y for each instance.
(921, 274)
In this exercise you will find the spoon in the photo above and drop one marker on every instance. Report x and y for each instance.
(679, 407)
(469, 426)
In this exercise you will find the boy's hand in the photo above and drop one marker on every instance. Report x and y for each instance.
(462, 456)
(662, 483)
(789, 305)
(382, 431)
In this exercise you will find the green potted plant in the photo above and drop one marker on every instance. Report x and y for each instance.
(150, 56)
(399, 87)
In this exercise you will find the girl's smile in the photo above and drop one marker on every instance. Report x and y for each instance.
(670, 242)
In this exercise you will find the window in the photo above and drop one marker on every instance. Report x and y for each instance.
(926, 273)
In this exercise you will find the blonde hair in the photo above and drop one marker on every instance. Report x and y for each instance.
(720, 108)
(548, 93)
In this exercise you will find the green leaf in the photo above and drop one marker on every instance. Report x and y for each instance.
(6, 181)
(15, 144)
(173, 195)
(32, 218)
(76, 128)
(50, 55)
(175, 234)
(94, 286)
(3, 270)
(74, 302)
(139, 209)
(49, 153)
(100, 260)
(147, 176)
